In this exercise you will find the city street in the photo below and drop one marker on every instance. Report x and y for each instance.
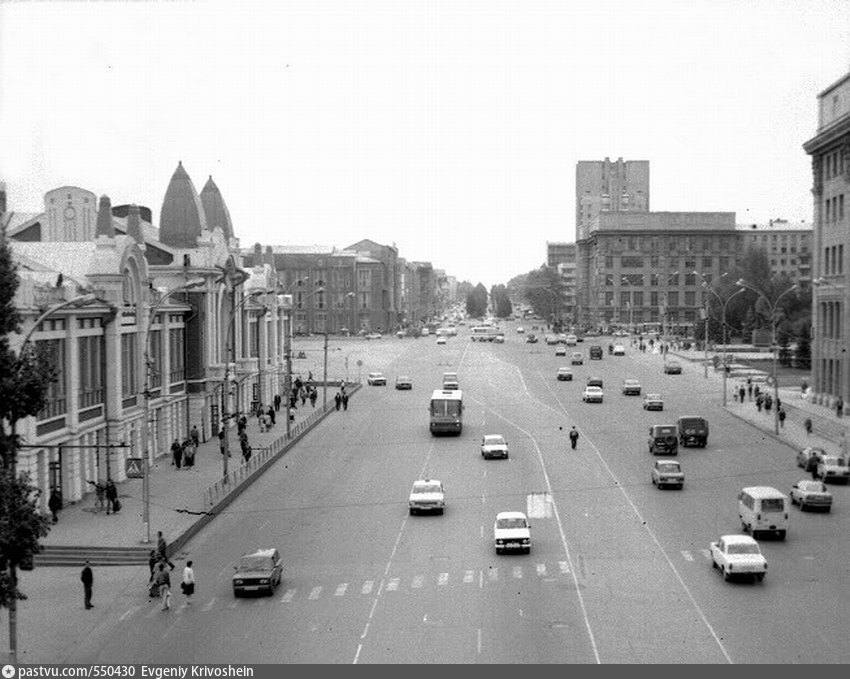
(618, 571)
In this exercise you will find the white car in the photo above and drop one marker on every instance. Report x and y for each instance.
(441, 339)
(833, 468)
(520, 330)
(494, 445)
(592, 395)
(511, 531)
(376, 380)
(667, 473)
(811, 495)
(631, 387)
(499, 339)
(577, 358)
(619, 350)
(560, 350)
(571, 340)
(738, 555)
(427, 495)
(374, 335)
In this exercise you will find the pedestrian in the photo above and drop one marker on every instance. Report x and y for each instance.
(756, 391)
(277, 402)
(741, 392)
(812, 466)
(188, 583)
(272, 415)
(188, 452)
(176, 454)
(314, 394)
(573, 437)
(100, 492)
(111, 496)
(163, 580)
(153, 560)
(246, 448)
(87, 578)
(344, 401)
(807, 424)
(195, 435)
(54, 504)
(337, 400)
(759, 402)
(781, 414)
(303, 397)
(768, 403)
(162, 549)
(839, 407)
(222, 442)
(778, 402)
(749, 390)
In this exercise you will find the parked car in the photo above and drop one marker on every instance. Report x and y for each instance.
(494, 445)
(570, 340)
(511, 531)
(663, 439)
(376, 379)
(631, 387)
(672, 368)
(259, 571)
(692, 430)
(427, 495)
(577, 358)
(499, 339)
(403, 382)
(551, 339)
(811, 495)
(653, 402)
(807, 453)
(619, 350)
(833, 468)
(592, 395)
(738, 555)
(441, 339)
(564, 374)
(667, 473)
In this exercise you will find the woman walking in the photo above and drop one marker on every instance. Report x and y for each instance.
(188, 583)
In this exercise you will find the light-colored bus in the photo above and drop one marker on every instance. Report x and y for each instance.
(484, 333)
(446, 412)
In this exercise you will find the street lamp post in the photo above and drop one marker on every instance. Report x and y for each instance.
(629, 304)
(146, 484)
(773, 323)
(724, 303)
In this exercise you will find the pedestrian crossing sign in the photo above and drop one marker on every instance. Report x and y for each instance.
(133, 468)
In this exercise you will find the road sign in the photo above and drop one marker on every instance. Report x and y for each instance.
(133, 468)
(359, 363)
(769, 380)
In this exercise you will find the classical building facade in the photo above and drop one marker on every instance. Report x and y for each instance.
(142, 323)
(830, 152)
(788, 246)
(564, 258)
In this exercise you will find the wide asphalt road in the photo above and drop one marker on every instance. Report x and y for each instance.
(618, 571)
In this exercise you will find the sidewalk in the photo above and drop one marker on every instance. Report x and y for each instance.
(176, 495)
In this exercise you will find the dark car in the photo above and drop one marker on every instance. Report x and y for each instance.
(403, 382)
(663, 438)
(595, 352)
(672, 368)
(693, 431)
(531, 339)
(594, 382)
(259, 571)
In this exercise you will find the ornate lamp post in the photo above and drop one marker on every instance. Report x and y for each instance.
(724, 303)
(773, 323)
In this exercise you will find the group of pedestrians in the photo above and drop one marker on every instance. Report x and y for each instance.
(183, 454)
(106, 497)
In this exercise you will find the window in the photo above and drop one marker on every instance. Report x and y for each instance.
(155, 356)
(92, 357)
(638, 298)
(625, 298)
(609, 279)
(363, 299)
(55, 403)
(609, 262)
(653, 261)
(673, 298)
(690, 278)
(840, 259)
(320, 299)
(176, 354)
(631, 262)
(841, 207)
(129, 373)
(364, 278)
(690, 298)
(609, 299)
(706, 262)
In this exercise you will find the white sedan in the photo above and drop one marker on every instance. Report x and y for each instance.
(376, 379)
(592, 395)
(619, 350)
(667, 473)
(738, 555)
(511, 531)
(427, 495)
(494, 445)
(811, 495)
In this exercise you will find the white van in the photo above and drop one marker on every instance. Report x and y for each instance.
(763, 509)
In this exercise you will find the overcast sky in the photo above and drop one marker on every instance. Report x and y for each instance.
(451, 129)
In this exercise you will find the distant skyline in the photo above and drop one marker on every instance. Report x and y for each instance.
(448, 128)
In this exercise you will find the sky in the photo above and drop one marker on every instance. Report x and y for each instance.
(451, 128)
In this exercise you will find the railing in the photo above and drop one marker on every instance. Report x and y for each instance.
(831, 429)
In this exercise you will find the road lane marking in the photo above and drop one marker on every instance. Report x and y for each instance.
(233, 605)
(418, 581)
(687, 555)
(493, 574)
(479, 641)
(564, 567)
(443, 579)
(340, 589)
(392, 585)
(706, 553)
(128, 613)
(357, 655)
(518, 572)
(315, 594)
(290, 593)
(367, 587)
(208, 606)
(468, 576)
(541, 569)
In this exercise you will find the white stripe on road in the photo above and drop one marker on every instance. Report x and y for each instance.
(315, 594)
(687, 555)
(541, 569)
(518, 572)
(392, 585)
(468, 576)
(340, 590)
(290, 593)
(367, 587)
(208, 606)
(418, 581)
(443, 579)
(493, 574)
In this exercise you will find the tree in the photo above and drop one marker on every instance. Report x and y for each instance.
(543, 289)
(23, 384)
(476, 301)
(803, 352)
(501, 301)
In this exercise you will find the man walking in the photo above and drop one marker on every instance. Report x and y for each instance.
(87, 578)
(195, 435)
(573, 437)
(337, 400)
(54, 504)
(177, 453)
(344, 401)
(741, 392)
(111, 496)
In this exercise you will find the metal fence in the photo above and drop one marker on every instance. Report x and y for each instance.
(832, 429)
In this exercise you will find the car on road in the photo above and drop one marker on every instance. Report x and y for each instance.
(667, 473)
(400, 334)
(807, 453)
(551, 339)
(653, 402)
(562, 338)
(738, 555)
(560, 350)
(811, 495)
(376, 379)
(594, 381)
(631, 387)
(441, 339)
(494, 445)
(564, 374)
(619, 350)
(520, 330)
(833, 468)
(577, 358)
(427, 495)
(531, 338)
(374, 335)
(663, 438)
(592, 395)
(571, 340)
(499, 339)
(672, 368)
(403, 382)
(259, 571)
(693, 430)
(595, 352)
(511, 531)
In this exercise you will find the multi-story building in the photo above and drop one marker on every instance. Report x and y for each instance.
(142, 324)
(830, 152)
(564, 258)
(788, 246)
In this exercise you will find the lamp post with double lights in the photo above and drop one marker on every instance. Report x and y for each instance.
(724, 303)
(625, 279)
(705, 284)
(165, 293)
(773, 323)
(10, 462)
(229, 354)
